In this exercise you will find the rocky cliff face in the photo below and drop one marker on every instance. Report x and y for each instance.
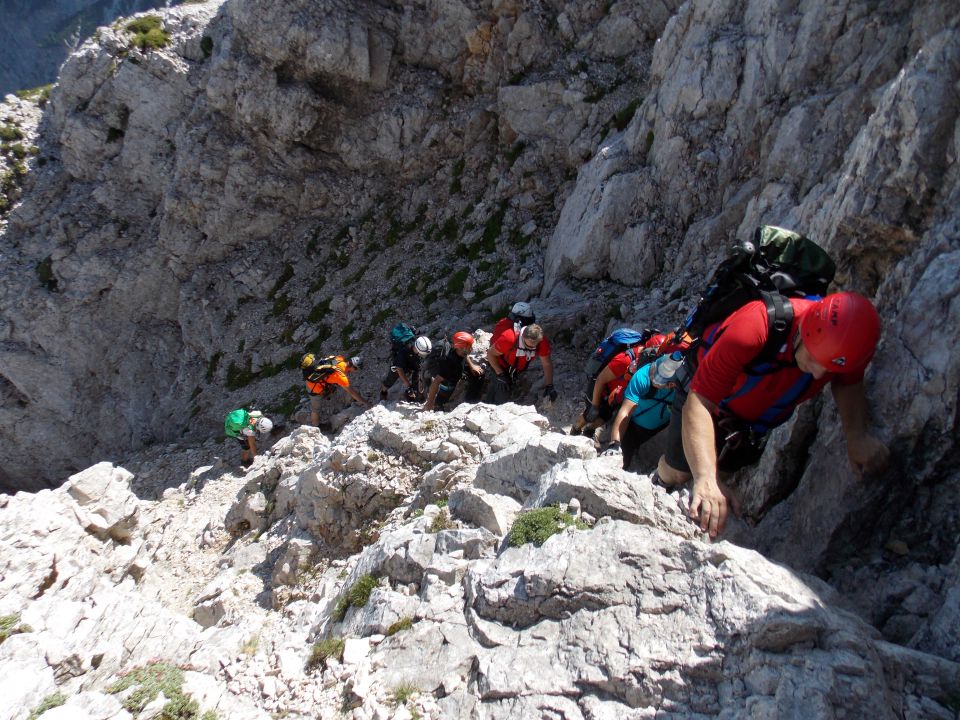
(304, 174)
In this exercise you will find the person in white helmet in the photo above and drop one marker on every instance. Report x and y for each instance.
(407, 351)
(247, 426)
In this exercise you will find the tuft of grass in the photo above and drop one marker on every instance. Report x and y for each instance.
(212, 365)
(450, 229)
(48, 703)
(514, 152)
(39, 95)
(45, 274)
(403, 693)
(625, 115)
(148, 33)
(10, 133)
(238, 377)
(280, 305)
(441, 522)
(285, 274)
(11, 625)
(404, 623)
(357, 596)
(251, 645)
(538, 525)
(456, 281)
(331, 647)
(152, 679)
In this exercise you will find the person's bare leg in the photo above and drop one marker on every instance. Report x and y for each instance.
(669, 475)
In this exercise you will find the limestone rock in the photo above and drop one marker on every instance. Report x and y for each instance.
(493, 512)
(106, 507)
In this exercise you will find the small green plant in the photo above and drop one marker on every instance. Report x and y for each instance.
(149, 681)
(403, 693)
(238, 377)
(148, 32)
(442, 521)
(624, 115)
(285, 274)
(10, 133)
(9, 625)
(538, 525)
(404, 623)
(45, 274)
(442, 503)
(357, 596)
(212, 365)
(450, 229)
(456, 281)
(373, 456)
(493, 228)
(319, 311)
(251, 645)
(514, 152)
(280, 305)
(39, 95)
(48, 703)
(331, 647)
(206, 46)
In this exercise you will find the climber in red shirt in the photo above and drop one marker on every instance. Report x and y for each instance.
(720, 422)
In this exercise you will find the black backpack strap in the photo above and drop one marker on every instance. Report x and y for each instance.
(779, 322)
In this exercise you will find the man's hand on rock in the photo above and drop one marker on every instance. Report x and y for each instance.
(867, 455)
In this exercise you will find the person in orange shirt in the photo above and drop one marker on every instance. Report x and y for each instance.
(323, 375)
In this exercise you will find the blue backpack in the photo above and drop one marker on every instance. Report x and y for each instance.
(616, 342)
(402, 333)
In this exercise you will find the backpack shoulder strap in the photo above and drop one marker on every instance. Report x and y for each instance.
(779, 322)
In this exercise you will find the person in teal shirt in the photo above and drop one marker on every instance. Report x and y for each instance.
(645, 410)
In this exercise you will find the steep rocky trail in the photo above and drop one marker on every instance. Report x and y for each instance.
(372, 575)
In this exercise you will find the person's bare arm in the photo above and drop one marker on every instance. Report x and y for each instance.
(403, 377)
(867, 453)
(547, 363)
(252, 446)
(493, 357)
(709, 504)
(432, 393)
(604, 378)
(356, 396)
(620, 422)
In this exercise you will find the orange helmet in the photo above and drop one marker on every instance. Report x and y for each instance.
(655, 341)
(462, 340)
(841, 331)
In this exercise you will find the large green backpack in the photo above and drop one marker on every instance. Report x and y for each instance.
(779, 264)
(235, 421)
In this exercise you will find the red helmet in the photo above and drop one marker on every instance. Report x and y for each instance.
(655, 341)
(841, 331)
(462, 340)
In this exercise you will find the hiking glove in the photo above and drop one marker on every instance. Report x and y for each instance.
(592, 413)
(410, 394)
(612, 449)
(549, 391)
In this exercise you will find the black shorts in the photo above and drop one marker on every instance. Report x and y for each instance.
(742, 450)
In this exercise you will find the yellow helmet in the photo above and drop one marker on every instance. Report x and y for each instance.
(307, 360)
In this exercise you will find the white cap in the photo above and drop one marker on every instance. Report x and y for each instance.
(423, 346)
